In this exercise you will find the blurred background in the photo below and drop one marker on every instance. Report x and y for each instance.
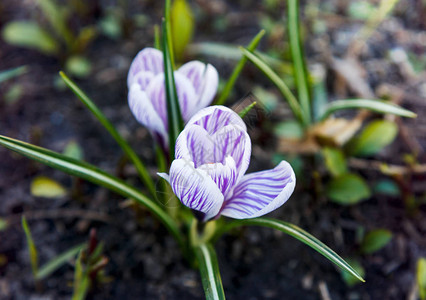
(353, 49)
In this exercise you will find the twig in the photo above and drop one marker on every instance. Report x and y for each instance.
(323, 289)
(379, 166)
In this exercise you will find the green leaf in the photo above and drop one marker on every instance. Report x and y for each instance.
(296, 49)
(387, 187)
(3, 224)
(361, 10)
(347, 189)
(11, 73)
(421, 277)
(143, 172)
(297, 233)
(375, 240)
(73, 150)
(31, 247)
(209, 270)
(285, 91)
(173, 109)
(91, 173)
(57, 17)
(349, 279)
(373, 105)
(335, 161)
(30, 35)
(375, 136)
(111, 26)
(14, 93)
(58, 262)
(46, 187)
(268, 100)
(289, 130)
(182, 24)
(238, 68)
(78, 66)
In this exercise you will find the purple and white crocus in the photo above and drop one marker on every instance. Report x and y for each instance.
(208, 173)
(196, 85)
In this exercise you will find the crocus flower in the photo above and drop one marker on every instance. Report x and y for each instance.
(196, 85)
(208, 173)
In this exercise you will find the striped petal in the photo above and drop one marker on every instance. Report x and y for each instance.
(204, 78)
(196, 145)
(195, 189)
(157, 94)
(147, 60)
(213, 118)
(261, 192)
(145, 113)
(232, 140)
(224, 175)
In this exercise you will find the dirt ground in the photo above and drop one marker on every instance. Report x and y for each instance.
(256, 263)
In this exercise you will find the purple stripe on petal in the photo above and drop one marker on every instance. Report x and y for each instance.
(145, 113)
(233, 141)
(195, 188)
(195, 144)
(214, 118)
(224, 175)
(261, 192)
(147, 60)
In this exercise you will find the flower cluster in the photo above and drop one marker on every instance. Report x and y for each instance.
(208, 173)
(196, 85)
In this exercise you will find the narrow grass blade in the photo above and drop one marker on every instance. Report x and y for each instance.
(247, 109)
(232, 52)
(167, 33)
(31, 246)
(209, 270)
(373, 105)
(11, 73)
(140, 167)
(296, 49)
(93, 174)
(81, 280)
(58, 262)
(173, 109)
(297, 233)
(238, 68)
(157, 37)
(285, 91)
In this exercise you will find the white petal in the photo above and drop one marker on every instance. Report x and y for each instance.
(165, 176)
(143, 79)
(204, 79)
(147, 60)
(157, 94)
(196, 145)
(195, 188)
(144, 112)
(232, 140)
(261, 192)
(213, 118)
(224, 175)
(186, 95)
